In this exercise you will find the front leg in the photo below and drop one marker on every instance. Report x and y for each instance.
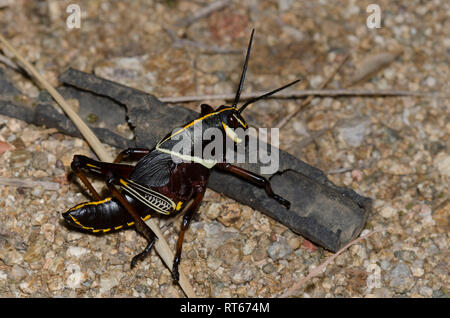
(254, 178)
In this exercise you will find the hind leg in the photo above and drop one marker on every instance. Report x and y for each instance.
(80, 164)
(141, 227)
(114, 172)
(184, 225)
(143, 254)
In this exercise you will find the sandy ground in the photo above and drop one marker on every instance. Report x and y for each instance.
(392, 149)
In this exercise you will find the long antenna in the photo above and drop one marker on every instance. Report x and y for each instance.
(241, 82)
(251, 101)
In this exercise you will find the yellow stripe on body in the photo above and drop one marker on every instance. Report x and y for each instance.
(94, 230)
(192, 123)
(230, 133)
(208, 163)
(79, 206)
(154, 194)
(240, 121)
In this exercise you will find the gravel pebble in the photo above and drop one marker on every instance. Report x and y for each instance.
(241, 273)
(353, 130)
(39, 160)
(279, 250)
(400, 278)
(387, 212)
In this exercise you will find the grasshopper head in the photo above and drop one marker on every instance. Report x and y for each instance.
(231, 119)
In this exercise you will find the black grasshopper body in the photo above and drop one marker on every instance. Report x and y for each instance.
(164, 180)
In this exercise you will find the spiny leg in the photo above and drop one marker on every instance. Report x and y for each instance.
(76, 166)
(141, 227)
(114, 171)
(200, 191)
(255, 179)
(142, 254)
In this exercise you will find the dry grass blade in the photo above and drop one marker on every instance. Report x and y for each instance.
(322, 266)
(27, 183)
(161, 245)
(84, 129)
(8, 62)
(302, 93)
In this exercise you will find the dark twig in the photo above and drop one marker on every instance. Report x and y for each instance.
(203, 12)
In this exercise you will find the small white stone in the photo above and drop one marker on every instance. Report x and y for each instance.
(109, 281)
(353, 130)
(249, 247)
(426, 291)
(213, 263)
(316, 80)
(430, 81)
(27, 287)
(241, 274)
(387, 212)
(75, 279)
(48, 230)
(284, 5)
(427, 219)
(374, 278)
(76, 251)
(417, 271)
(442, 163)
(37, 191)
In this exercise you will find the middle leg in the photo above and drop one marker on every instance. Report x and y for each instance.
(200, 192)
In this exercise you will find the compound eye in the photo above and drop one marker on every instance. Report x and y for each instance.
(232, 121)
